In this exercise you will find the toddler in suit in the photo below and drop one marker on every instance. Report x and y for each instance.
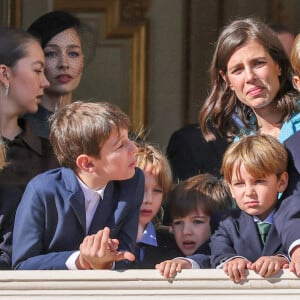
(154, 241)
(255, 170)
(192, 204)
(83, 215)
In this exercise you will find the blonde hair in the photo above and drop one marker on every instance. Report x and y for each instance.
(261, 155)
(295, 55)
(151, 159)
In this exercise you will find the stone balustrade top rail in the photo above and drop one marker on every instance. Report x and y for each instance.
(144, 284)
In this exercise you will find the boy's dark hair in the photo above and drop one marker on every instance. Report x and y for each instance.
(82, 128)
(203, 191)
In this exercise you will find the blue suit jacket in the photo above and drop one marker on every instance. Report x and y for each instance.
(287, 219)
(238, 235)
(293, 147)
(50, 221)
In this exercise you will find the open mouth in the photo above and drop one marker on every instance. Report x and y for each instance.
(189, 244)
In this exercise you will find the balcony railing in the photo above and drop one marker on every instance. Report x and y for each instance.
(144, 284)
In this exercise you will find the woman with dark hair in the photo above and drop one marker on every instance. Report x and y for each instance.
(22, 84)
(64, 39)
(251, 77)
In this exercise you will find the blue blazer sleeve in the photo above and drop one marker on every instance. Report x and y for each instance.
(30, 251)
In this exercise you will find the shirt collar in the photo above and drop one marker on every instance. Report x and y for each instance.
(149, 235)
(268, 219)
(90, 194)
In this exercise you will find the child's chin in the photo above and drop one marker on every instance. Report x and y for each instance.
(130, 174)
(188, 252)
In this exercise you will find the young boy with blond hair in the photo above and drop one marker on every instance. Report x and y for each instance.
(154, 241)
(255, 170)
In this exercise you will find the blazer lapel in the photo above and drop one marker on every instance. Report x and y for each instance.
(104, 210)
(252, 244)
(76, 198)
(273, 242)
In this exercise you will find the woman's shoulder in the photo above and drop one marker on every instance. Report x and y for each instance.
(290, 127)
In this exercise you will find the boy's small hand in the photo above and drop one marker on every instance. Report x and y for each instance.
(170, 268)
(295, 261)
(266, 266)
(236, 269)
(98, 251)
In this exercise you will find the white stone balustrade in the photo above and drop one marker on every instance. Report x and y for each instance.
(144, 284)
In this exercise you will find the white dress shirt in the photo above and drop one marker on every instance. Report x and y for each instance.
(92, 199)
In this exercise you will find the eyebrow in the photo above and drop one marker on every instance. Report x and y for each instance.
(201, 217)
(193, 217)
(39, 62)
(68, 46)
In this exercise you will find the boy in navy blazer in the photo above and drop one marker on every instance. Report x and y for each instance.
(83, 215)
(255, 169)
(287, 219)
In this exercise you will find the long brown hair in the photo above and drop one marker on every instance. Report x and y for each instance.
(222, 102)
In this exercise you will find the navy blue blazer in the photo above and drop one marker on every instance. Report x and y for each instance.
(50, 221)
(292, 145)
(238, 235)
(287, 219)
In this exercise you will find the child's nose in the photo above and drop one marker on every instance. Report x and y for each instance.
(187, 229)
(132, 148)
(250, 191)
(147, 197)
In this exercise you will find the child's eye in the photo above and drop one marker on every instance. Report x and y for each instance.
(198, 222)
(157, 191)
(237, 183)
(260, 181)
(38, 71)
(177, 222)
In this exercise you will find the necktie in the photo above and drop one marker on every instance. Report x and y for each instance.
(263, 229)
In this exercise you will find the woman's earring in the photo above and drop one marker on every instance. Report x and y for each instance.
(6, 90)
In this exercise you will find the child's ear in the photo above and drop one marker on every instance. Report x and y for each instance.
(283, 182)
(296, 81)
(85, 163)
